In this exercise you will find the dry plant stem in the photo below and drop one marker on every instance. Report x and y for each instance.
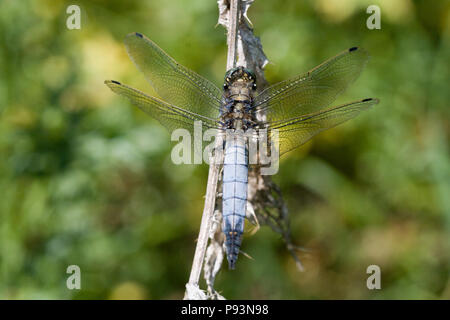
(205, 225)
(214, 170)
(232, 36)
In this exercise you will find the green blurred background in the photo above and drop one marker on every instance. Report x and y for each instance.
(86, 178)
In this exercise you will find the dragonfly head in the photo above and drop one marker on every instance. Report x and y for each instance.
(240, 77)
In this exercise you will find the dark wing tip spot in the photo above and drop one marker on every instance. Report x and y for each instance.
(116, 82)
(374, 100)
(139, 34)
(353, 49)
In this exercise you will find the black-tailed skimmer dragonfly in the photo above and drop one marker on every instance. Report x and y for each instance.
(297, 109)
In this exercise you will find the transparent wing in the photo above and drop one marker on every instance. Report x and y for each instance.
(174, 83)
(170, 116)
(296, 131)
(314, 90)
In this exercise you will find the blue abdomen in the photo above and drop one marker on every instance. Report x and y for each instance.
(235, 178)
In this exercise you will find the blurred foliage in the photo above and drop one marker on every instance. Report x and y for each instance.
(87, 179)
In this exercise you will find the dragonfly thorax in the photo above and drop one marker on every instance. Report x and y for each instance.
(239, 88)
(240, 83)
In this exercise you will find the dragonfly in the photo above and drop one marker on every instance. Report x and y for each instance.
(297, 109)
